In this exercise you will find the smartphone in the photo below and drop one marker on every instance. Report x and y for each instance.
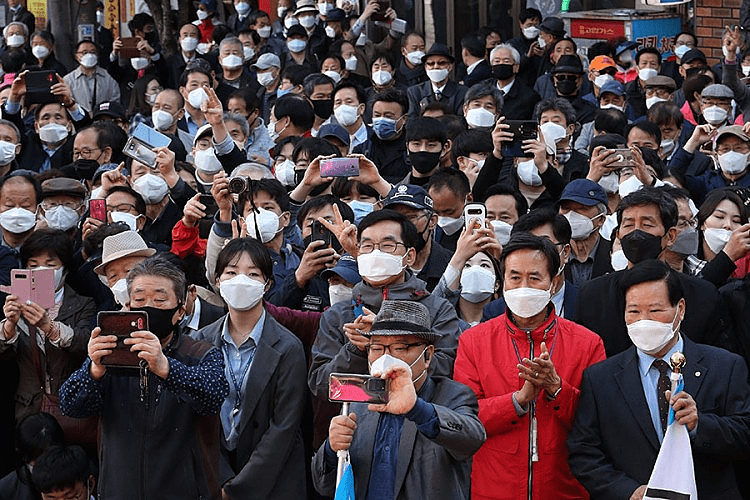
(98, 209)
(36, 285)
(474, 216)
(142, 142)
(129, 47)
(205, 224)
(347, 387)
(623, 158)
(122, 324)
(339, 167)
(38, 87)
(522, 130)
(383, 5)
(320, 233)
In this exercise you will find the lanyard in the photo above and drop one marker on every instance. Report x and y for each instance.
(238, 386)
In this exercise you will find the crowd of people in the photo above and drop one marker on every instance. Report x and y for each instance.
(516, 238)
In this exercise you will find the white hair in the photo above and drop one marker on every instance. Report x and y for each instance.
(513, 52)
(16, 23)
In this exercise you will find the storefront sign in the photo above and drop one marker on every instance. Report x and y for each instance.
(596, 29)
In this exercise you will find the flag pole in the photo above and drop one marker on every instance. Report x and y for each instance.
(342, 454)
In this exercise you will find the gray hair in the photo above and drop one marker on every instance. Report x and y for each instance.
(254, 171)
(16, 23)
(239, 120)
(230, 40)
(483, 89)
(513, 52)
(14, 127)
(159, 265)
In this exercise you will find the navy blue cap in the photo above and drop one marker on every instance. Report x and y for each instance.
(346, 268)
(627, 45)
(335, 15)
(584, 191)
(334, 130)
(613, 87)
(410, 196)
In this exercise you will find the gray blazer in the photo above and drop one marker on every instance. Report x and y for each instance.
(269, 459)
(427, 468)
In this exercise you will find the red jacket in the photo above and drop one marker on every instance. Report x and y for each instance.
(486, 362)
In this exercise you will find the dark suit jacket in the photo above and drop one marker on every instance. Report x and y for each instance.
(602, 261)
(235, 25)
(482, 71)
(269, 459)
(601, 309)
(23, 15)
(209, 313)
(519, 102)
(421, 95)
(613, 444)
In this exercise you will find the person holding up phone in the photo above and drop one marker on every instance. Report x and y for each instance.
(261, 438)
(179, 377)
(433, 419)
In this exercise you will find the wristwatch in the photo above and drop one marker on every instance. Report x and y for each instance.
(552, 397)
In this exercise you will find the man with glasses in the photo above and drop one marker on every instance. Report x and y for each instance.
(438, 64)
(387, 250)
(89, 84)
(62, 203)
(433, 419)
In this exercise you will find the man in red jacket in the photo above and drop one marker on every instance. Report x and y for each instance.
(525, 368)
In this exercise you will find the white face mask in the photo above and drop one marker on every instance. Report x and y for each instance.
(17, 220)
(610, 182)
(89, 61)
(152, 187)
(296, 45)
(323, 8)
(528, 173)
(386, 362)
(733, 162)
(61, 217)
(273, 133)
(339, 293)
(378, 266)
(553, 133)
(480, 118)
(162, 119)
(280, 11)
(267, 224)
(351, 63)
(746, 70)
(526, 302)
(285, 173)
(681, 51)
(415, 57)
(541, 42)
(651, 336)
(203, 48)
(618, 260)
(139, 63)
(7, 152)
(612, 106)
(242, 8)
(241, 292)
(128, 218)
(580, 225)
(100, 17)
(265, 79)
(14, 41)
(715, 115)
(346, 115)
(650, 101)
(600, 80)
(477, 284)
(40, 51)
(333, 75)
(205, 160)
(716, 238)
(202, 14)
(330, 32)
(231, 61)
(381, 78)
(196, 97)
(52, 133)
(646, 74)
(189, 44)
(531, 32)
(502, 231)
(450, 225)
(307, 21)
(290, 21)
(667, 146)
(437, 75)
(248, 53)
(120, 291)
(629, 185)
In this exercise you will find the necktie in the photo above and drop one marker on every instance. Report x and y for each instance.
(502, 92)
(662, 386)
(438, 95)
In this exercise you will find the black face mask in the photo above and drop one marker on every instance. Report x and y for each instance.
(566, 87)
(298, 176)
(640, 245)
(424, 161)
(159, 320)
(85, 168)
(502, 71)
(323, 108)
(150, 37)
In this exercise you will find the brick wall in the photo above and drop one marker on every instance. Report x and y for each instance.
(711, 16)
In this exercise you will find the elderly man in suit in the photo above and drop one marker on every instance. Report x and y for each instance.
(438, 64)
(432, 419)
(622, 413)
(518, 99)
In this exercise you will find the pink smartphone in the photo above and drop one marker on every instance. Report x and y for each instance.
(339, 167)
(36, 285)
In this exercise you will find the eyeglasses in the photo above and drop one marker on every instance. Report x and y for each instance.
(686, 223)
(561, 78)
(395, 350)
(122, 207)
(49, 205)
(84, 153)
(386, 246)
(741, 148)
(85, 53)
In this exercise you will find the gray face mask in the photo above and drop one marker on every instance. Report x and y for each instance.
(686, 242)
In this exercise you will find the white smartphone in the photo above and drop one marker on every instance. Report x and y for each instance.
(474, 216)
